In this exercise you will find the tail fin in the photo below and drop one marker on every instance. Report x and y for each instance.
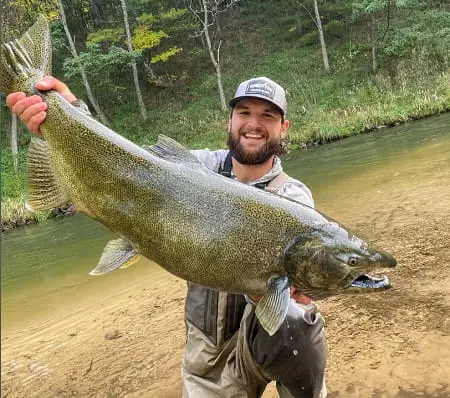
(25, 58)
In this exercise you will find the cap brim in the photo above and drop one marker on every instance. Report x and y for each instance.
(235, 100)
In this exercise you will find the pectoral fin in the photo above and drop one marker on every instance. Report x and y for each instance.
(45, 190)
(271, 310)
(118, 253)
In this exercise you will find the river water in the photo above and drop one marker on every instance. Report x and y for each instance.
(45, 267)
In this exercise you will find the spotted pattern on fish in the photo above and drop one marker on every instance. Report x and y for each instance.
(195, 223)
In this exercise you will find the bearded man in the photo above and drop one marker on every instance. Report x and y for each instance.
(228, 353)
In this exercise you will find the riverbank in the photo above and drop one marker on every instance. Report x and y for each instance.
(125, 337)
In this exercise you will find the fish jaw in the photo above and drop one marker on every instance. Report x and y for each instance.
(318, 268)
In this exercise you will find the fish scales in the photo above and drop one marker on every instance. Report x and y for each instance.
(162, 203)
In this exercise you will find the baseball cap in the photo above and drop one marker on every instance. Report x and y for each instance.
(261, 88)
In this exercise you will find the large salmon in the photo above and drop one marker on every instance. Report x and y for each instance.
(164, 204)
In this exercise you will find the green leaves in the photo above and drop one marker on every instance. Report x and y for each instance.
(428, 29)
(94, 61)
(106, 36)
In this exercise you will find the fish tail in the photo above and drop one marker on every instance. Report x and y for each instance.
(24, 61)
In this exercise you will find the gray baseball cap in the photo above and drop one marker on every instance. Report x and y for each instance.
(264, 89)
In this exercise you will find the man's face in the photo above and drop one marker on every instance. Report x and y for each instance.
(255, 131)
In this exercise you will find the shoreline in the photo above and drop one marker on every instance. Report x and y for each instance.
(23, 218)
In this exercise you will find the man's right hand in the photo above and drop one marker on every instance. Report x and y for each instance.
(33, 110)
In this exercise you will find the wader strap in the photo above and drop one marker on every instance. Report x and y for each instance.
(225, 170)
(275, 185)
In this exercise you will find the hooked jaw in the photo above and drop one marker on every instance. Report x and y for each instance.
(365, 282)
(343, 273)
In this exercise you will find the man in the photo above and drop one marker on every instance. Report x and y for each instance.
(228, 353)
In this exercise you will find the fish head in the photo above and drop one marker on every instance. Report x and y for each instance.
(330, 260)
(26, 60)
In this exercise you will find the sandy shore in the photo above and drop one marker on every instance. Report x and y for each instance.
(127, 339)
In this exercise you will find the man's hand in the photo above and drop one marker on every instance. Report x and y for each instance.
(296, 295)
(300, 297)
(33, 110)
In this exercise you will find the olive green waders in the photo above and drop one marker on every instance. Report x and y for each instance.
(243, 364)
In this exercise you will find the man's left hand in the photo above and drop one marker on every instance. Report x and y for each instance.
(300, 297)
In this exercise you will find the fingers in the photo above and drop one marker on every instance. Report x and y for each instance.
(35, 122)
(300, 297)
(12, 98)
(51, 83)
(31, 110)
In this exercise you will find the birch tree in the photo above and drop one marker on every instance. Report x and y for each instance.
(74, 53)
(318, 22)
(133, 65)
(13, 140)
(207, 12)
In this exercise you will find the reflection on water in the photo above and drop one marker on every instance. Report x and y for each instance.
(45, 267)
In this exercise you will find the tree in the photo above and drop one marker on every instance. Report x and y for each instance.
(73, 50)
(375, 11)
(206, 12)
(14, 148)
(318, 22)
(134, 66)
(323, 46)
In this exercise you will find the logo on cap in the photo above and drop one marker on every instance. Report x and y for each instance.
(261, 87)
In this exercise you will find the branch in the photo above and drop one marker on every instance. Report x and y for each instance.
(309, 12)
(388, 19)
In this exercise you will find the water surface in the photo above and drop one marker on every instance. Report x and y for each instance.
(45, 267)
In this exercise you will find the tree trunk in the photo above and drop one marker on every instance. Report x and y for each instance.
(14, 149)
(326, 65)
(373, 38)
(212, 56)
(135, 71)
(73, 50)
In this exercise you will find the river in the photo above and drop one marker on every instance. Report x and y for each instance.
(46, 266)
(381, 184)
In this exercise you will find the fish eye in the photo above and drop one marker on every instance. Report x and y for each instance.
(353, 261)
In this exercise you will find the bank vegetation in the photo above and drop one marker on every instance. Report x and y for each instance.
(165, 67)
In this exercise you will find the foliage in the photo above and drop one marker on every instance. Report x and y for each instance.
(107, 36)
(278, 40)
(428, 29)
(146, 39)
(101, 66)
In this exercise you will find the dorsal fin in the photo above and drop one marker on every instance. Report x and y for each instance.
(167, 148)
(44, 188)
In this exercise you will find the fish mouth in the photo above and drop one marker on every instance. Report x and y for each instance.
(365, 283)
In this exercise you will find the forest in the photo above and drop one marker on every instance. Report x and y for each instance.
(149, 67)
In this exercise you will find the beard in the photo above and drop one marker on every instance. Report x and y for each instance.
(272, 147)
